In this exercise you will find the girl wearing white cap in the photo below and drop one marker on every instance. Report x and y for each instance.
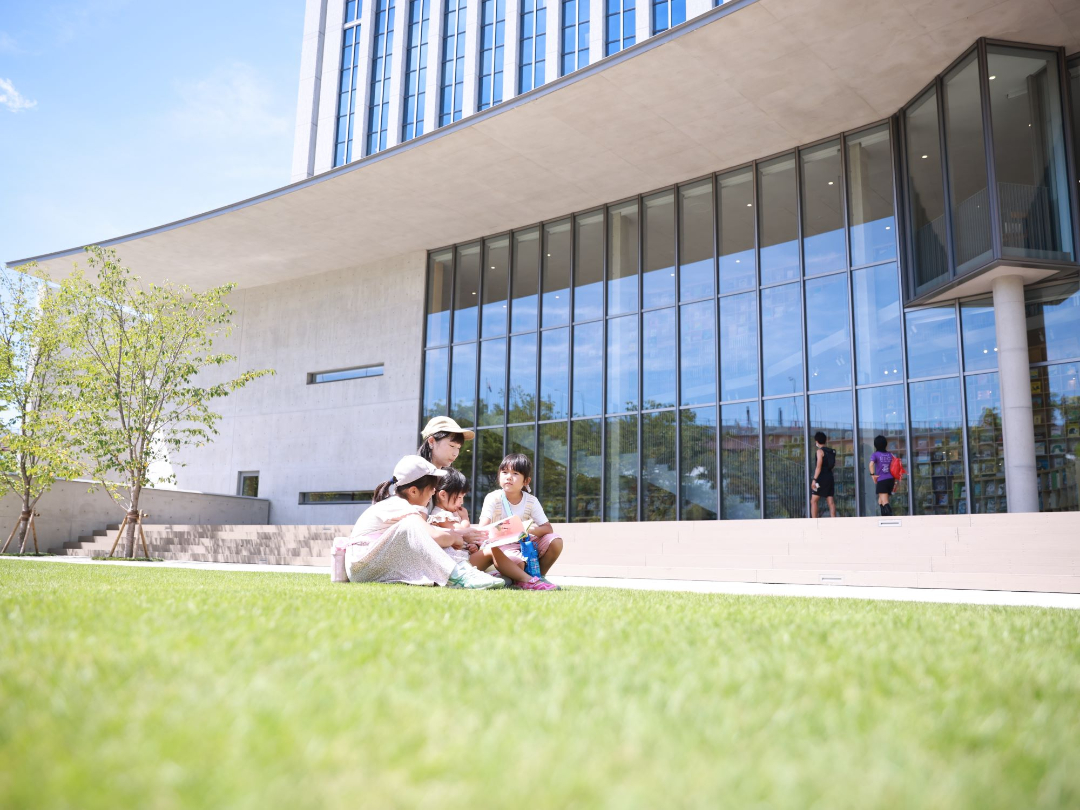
(393, 542)
(443, 438)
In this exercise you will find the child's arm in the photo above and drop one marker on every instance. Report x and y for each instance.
(539, 530)
(446, 538)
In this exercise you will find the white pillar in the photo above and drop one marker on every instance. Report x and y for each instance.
(552, 45)
(1017, 422)
(307, 104)
(642, 20)
(326, 133)
(597, 23)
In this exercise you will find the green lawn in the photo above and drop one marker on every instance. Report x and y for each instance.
(161, 688)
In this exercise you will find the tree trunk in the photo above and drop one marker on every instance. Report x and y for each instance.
(132, 527)
(24, 524)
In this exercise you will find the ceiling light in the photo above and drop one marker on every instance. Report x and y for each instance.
(738, 261)
(992, 78)
(749, 205)
(474, 293)
(830, 182)
(492, 267)
(924, 157)
(888, 228)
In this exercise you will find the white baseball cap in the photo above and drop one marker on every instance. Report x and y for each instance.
(413, 468)
(444, 424)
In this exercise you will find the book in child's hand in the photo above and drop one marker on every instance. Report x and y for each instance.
(506, 531)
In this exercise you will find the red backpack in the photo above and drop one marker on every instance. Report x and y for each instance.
(896, 468)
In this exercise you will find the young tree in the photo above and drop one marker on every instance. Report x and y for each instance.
(36, 443)
(136, 372)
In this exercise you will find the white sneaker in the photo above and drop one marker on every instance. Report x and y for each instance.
(470, 577)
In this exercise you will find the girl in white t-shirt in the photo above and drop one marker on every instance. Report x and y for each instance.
(515, 475)
(393, 542)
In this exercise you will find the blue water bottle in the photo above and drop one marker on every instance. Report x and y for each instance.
(532, 559)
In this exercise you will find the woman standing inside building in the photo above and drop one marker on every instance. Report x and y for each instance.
(880, 464)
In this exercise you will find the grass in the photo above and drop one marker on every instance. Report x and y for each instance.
(167, 688)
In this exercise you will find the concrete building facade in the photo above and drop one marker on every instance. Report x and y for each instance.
(662, 271)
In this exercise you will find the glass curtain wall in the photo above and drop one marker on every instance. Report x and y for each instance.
(416, 55)
(620, 27)
(667, 14)
(655, 375)
(382, 60)
(492, 43)
(452, 78)
(531, 44)
(986, 165)
(350, 75)
(574, 44)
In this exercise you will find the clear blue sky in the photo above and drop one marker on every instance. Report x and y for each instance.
(118, 115)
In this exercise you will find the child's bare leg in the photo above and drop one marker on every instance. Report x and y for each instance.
(481, 559)
(508, 567)
(549, 557)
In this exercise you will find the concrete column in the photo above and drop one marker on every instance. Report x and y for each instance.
(397, 71)
(597, 22)
(552, 45)
(307, 103)
(1018, 424)
(695, 8)
(642, 20)
(436, 23)
(326, 131)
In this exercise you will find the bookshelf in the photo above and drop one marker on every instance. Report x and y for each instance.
(938, 475)
(1055, 401)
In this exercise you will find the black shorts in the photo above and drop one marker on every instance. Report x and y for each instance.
(885, 486)
(826, 488)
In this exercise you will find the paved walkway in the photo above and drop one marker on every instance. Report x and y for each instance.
(939, 595)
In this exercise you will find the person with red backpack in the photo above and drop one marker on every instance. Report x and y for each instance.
(886, 470)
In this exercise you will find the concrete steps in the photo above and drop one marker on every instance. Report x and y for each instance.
(995, 552)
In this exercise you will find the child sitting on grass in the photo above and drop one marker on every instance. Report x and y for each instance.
(515, 475)
(449, 498)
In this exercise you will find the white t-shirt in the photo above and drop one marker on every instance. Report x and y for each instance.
(380, 516)
(493, 509)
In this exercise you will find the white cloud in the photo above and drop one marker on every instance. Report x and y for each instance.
(12, 98)
(232, 102)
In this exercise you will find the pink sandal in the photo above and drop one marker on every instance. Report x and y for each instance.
(535, 584)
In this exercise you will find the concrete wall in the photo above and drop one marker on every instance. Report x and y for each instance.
(68, 510)
(339, 436)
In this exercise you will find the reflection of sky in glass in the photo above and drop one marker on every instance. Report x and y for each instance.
(931, 342)
(492, 381)
(522, 378)
(877, 324)
(695, 241)
(781, 333)
(588, 369)
(658, 375)
(554, 373)
(980, 336)
(526, 280)
(463, 385)
(434, 383)
(738, 346)
(698, 345)
(622, 357)
(827, 332)
(778, 229)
